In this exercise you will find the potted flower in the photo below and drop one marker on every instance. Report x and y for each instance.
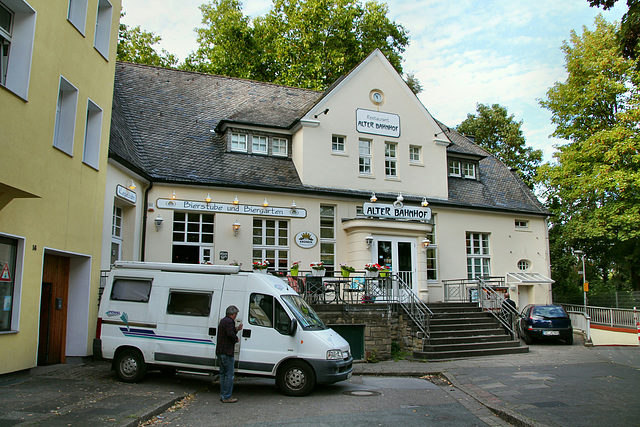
(317, 269)
(384, 270)
(372, 269)
(295, 267)
(368, 299)
(260, 266)
(236, 263)
(346, 269)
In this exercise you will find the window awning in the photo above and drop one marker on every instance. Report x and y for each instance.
(528, 278)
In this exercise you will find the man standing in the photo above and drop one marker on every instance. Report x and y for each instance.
(227, 339)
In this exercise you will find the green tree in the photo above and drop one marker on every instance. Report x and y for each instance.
(302, 43)
(228, 44)
(593, 186)
(629, 33)
(500, 134)
(136, 45)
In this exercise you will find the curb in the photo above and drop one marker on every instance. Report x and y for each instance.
(507, 415)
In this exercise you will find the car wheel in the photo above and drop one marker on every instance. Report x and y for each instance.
(130, 366)
(569, 340)
(296, 378)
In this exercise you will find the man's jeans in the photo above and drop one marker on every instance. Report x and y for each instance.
(226, 375)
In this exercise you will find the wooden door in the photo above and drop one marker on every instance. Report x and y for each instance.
(53, 310)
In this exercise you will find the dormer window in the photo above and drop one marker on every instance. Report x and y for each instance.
(238, 142)
(259, 145)
(279, 146)
(467, 169)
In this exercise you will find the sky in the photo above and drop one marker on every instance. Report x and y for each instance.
(463, 52)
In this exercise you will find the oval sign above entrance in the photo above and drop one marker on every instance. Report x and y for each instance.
(306, 239)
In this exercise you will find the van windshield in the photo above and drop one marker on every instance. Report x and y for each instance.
(305, 315)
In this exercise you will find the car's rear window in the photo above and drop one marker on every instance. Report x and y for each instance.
(549, 311)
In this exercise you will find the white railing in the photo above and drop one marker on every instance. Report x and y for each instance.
(621, 317)
(581, 321)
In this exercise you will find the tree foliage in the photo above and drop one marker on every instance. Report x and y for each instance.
(136, 45)
(302, 43)
(629, 33)
(593, 187)
(499, 133)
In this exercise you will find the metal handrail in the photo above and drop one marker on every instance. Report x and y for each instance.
(417, 310)
(494, 303)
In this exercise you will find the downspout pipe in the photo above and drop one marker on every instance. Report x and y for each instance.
(144, 221)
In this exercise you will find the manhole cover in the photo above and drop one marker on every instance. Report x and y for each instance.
(361, 393)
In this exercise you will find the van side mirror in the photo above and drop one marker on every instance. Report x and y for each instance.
(293, 326)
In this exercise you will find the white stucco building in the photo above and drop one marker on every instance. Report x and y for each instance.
(230, 170)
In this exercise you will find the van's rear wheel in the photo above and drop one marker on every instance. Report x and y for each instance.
(296, 378)
(130, 366)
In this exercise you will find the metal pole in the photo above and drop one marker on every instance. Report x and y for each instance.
(584, 280)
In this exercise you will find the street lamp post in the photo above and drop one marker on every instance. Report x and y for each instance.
(584, 277)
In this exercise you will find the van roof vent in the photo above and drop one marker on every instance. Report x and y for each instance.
(187, 268)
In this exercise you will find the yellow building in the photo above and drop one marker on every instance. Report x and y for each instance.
(56, 86)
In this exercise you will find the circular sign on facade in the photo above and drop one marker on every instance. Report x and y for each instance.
(306, 239)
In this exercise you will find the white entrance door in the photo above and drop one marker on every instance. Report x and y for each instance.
(398, 254)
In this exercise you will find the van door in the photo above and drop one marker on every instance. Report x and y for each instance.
(265, 339)
(187, 322)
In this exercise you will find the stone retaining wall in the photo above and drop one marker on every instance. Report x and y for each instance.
(384, 324)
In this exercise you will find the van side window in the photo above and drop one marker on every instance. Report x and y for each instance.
(134, 290)
(266, 311)
(189, 303)
(261, 310)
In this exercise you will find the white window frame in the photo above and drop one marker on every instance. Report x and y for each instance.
(478, 254)
(469, 170)
(364, 156)
(16, 299)
(279, 147)
(521, 224)
(190, 219)
(116, 231)
(239, 142)
(273, 248)
(328, 236)
(391, 159)
(66, 110)
(77, 14)
(92, 135)
(524, 265)
(455, 168)
(259, 144)
(17, 64)
(432, 253)
(415, 154)
(338, 143)
(102, 37)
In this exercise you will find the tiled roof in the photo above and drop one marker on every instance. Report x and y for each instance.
(163, 121)
(497, 187)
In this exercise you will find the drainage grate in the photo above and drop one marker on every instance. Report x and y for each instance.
(361, 393)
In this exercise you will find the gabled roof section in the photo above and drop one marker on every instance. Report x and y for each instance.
(163, 122)
(338, 85)
(497, 187)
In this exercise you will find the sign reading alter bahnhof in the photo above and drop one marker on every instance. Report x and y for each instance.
(378, 210)
(377, 123)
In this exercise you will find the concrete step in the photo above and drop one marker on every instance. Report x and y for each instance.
(466, 333)
(470, 346)
(458, 354)
(463, 326)
(460, 320)
(469, 339)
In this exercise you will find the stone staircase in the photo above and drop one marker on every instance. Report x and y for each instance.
(464, 330)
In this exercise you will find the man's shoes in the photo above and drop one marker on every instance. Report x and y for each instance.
(229, 400)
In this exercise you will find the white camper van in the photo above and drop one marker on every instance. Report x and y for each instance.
(165, 316)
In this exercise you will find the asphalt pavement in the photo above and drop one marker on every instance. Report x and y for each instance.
(552, 385)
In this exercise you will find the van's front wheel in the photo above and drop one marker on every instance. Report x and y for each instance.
(130, 366)
(296, 378)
